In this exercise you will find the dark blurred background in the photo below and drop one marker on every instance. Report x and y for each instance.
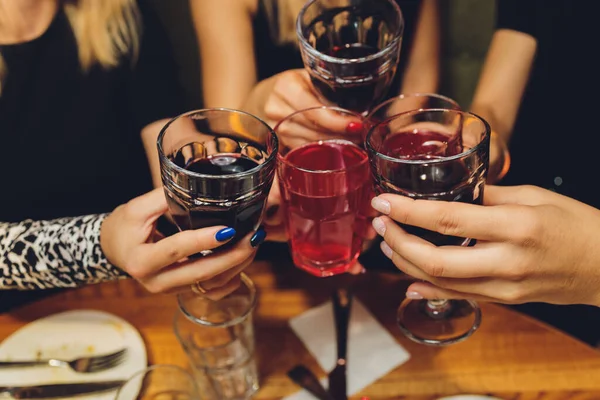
(464, 45)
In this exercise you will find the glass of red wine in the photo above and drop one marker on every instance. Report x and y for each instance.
(217, 167)
(351, 49)
(325, 188)
(433, 154)
(410, 102)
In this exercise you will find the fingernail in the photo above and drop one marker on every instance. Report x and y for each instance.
(225, 234)
(381, 205)
(258, 237)
(386, 249)
(379, 226)
(354, 128)
(414, 295)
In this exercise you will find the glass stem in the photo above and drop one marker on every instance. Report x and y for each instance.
(438, 309)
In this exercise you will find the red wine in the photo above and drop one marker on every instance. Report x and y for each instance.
(327, 214)
(242, 215)
(439, 180)
(360, 91)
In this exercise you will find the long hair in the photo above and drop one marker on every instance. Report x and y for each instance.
(105, 31)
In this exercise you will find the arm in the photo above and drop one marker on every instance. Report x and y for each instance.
(227, 55)
(503, 80)
(64, 252)
(423, 68)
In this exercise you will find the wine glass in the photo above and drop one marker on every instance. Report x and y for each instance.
(499, 154)
(326, 189)
(410, 102)
(351, 49)
(161, 381)
(217, 167)
(433, 154)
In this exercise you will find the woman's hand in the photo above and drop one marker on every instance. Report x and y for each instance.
(292, 91)
(128, 241)
(532, 245)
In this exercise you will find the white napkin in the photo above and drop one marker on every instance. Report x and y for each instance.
(372, 350)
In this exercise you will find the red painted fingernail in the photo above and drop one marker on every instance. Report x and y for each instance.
(355, 128)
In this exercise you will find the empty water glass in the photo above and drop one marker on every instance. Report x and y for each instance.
(218, 338)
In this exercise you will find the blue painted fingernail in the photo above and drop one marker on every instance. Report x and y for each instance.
(258, 237)
(225, 234)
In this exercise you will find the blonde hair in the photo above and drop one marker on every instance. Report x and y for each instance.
(105, 31)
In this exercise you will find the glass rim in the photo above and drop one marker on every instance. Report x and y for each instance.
(486, 127)
(337, 60)
(282, 159)
(164, 159)
(234, 321)
(146, 370)
(409, 95)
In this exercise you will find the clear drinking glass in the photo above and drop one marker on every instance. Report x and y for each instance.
(351, 49)
(159, 382)
(218, 338)
(217, 168)
(325, 188)
(434, 154)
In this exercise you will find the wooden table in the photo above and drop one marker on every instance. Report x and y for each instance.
(511, 356)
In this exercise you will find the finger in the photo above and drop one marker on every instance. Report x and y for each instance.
(276, 233)
(223, 278)
(356, 269)
(155, 256)
(200, 269)
(273, 210)
(421, 290)
(481, 260)
(150, 205)
(453, 218)
(301, 129)
(219, 293)
(404, 265)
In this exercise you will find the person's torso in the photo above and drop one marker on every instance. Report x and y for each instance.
(69, 145)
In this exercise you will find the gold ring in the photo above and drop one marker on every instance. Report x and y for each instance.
(198, 288)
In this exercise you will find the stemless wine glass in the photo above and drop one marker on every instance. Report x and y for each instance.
(351, 49)
(217, 167)
(160, 381)
(325, 189)
(434, 154)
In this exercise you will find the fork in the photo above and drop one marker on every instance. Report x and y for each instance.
(82, 364)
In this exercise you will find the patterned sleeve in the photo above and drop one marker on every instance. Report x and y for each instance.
(60, 253)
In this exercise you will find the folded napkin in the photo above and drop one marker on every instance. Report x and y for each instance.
(372, 350)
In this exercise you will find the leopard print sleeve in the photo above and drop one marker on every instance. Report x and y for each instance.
(63, 253)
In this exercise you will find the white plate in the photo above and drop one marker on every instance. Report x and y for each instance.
(70, 335)
(469, 397)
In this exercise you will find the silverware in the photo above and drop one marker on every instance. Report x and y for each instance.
(304, 378)
(59, 390)
(83, 364)
(342, 303)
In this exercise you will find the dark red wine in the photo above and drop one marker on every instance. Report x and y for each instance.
(362, 89)
(448, 180)
(242, 215)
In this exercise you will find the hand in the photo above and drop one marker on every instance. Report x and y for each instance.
(128, 240)
(292, 91)
(499, 159)
(532, 245)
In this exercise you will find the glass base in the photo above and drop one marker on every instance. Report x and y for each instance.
(438, 322)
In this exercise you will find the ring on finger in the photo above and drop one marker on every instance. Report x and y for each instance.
(198, 288)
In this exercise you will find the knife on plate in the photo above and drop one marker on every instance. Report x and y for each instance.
(342, 303)
(58, 390)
